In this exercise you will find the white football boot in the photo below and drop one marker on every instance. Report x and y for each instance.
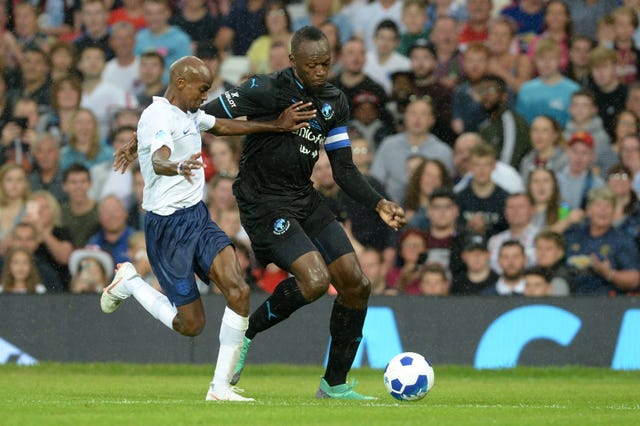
(118, 290)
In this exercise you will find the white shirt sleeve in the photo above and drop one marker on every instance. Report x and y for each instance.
(159, 130)
(205, 121)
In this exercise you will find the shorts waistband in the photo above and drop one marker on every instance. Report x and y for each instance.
(181, 211)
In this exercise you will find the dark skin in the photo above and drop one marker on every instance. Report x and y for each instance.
(189, 83)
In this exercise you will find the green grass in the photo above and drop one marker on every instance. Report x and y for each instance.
(126, 394)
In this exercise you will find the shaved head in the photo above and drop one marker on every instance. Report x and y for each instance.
(189, 67)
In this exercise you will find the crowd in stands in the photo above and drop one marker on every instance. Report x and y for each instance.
(509, 132)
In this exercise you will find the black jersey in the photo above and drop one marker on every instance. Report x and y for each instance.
(276, 167)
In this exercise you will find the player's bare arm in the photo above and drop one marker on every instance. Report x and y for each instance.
(291, 119)
(391, 213)
(165, 167)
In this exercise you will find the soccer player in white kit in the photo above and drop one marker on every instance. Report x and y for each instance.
(181, 237)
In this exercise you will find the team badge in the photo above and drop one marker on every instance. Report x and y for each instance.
(280, 226)
(327, 111)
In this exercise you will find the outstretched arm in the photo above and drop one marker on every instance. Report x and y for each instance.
(349, 178)
(291, 119)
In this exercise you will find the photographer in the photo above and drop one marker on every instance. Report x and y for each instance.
(18, 134)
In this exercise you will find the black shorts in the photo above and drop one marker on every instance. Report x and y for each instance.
(282, 235)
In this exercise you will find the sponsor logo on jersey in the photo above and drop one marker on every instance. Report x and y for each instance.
(229, 97)
(280, 226)
(327, 111)
(253, 83)
(308, 134)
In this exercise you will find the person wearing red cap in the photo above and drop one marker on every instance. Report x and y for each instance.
(577, 178)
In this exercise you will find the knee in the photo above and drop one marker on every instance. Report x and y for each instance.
(191, 327)
(315, 284)
(359, 291)
(237, 293)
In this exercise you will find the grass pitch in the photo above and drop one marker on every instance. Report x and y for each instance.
(126, 394)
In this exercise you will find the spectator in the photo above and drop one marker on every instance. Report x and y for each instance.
(477, 275)
(557, 22)
(513, 67)
(90, 270)
(550, 93)
(171, 42)
(625, 24)
(434, 280)
(79, 213)
(449, 70)
(224, 154)
(137, 252)
(196, 21)
(580, 47)
(547, 142)
(586, 13)
(383, 60)
(24, 235)
(405, 278)
(213, 58)
(55, 246)
(414, 18)
(578, 178)
(537, 282)
(85, 145)
(626, 123)
(332, 32)
(453, 8)
(606, 34)
(630, 158)
(321, 11)
(47, 174)
(632, 102)
(610, 94)
(423, 64)
(482, 202)
(602, 259)
(372, 14)
(390, 159)
(512, 261)
(428, 175)
(62, 62)
(19, 133)
(124, 69)
(372, 264)
(584, 117)
(504, 128)
(27, 28)
(503, 174)
(66, 94)
(19, 274)
(518, 212)
(243, 24)
(35, 83)
(550, 251)
(476, 29)
(529, 17)
(229, 222)
(151, 72)
(466, 111)
(14, 193)
(136, 213)
(131, 12)
(366, 118)
(277, 22)
(114, 232)
(98, 95)
(94, 16)
(542, 188)
(279, 57)
(627, 211)
(220, 195)
(362, 155)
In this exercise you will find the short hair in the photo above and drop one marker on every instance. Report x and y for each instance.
(42, 136)
(434, 268)
(153, 55)
(388, 24)
(585, 93)
(602, 56)
(603, 193)
(526, 195)
(540, 271)
(477, 47)
(93, 47)
(422, 4)
(122, 25)
(578, 38)
(628, 11)
(483, 150)
(555, 237)
(504, 20)
(498, 81)
(307, 33)
(512, 243)
(546, 45)
(75, 168)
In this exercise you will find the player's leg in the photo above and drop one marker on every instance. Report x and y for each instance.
(225, 273)
(348, 313)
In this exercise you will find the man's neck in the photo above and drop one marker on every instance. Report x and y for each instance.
(34, 85)
(97, 35)
(352, 79)
(417, 139)
(482, 190)
(577, 173)
(113, 237)
(478, 276)
(552, 78)
(47, 176)
(610, 88)
(513, 282)
(126, 60)
(153, 89)
(517, 231)
(81, 207)
(160, 30)
(90, 84)
(582, 124)
(442, 233)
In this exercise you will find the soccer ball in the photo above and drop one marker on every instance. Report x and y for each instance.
(408, 376)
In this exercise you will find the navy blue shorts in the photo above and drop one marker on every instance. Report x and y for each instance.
(180, 244)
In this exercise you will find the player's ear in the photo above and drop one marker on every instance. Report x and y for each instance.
(181, 82)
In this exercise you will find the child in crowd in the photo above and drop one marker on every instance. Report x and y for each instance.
(578, 69)
(19, 273)
(610, 94)
(478, 274)
(414, 18)
(625, 23)
(537, 282)
(434, 280)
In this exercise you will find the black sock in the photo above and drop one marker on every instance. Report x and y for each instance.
(284, 301)
(346, 334)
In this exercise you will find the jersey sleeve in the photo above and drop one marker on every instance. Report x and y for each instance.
(338, 137)
(253, 97)
(205, 121)
(155, 130)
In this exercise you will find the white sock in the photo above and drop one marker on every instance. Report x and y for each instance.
(231, 337)
(153, 301)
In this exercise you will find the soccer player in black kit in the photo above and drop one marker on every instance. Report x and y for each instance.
(285, 217)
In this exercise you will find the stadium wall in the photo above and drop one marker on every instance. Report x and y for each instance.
(485, 332)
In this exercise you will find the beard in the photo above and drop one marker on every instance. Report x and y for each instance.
(512, 276)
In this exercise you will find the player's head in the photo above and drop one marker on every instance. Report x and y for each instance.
(189, 82)
(310, 57)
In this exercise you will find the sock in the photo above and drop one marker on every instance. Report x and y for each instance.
(153, 301)
(231, 338)
(346, 333)
(284, 301)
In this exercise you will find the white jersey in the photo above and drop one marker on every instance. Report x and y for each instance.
(163, 124)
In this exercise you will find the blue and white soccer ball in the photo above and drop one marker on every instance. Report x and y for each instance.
(408, 376)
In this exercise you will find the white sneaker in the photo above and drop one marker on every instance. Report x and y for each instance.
(227, 394)
(118, 290)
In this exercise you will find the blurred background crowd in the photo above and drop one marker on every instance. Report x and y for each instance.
(509, 132)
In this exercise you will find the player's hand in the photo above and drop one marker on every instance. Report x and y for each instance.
(188, 166)
(295, 117)
(125, 155)
(391, 213)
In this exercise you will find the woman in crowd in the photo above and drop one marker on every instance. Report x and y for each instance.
(405, 278)
(19, 273)
(85, 146)
(428, 175)
(557, 21)
(278, 24)
(14, 193)
(547, 142)
(62, 61)
(65, 101)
